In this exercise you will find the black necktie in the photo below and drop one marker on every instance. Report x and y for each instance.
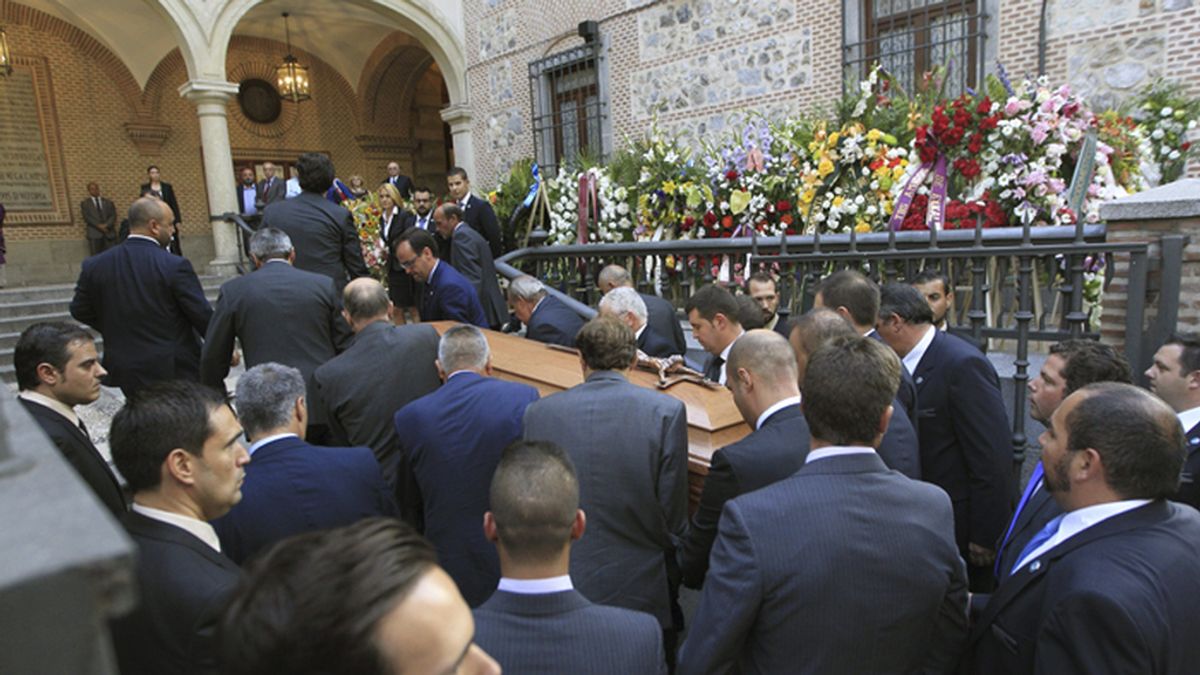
(713, 372)
(98, 208)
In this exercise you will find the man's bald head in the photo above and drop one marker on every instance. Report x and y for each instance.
(813, 330)
(365, 300)
(764, 353)
(613, 276)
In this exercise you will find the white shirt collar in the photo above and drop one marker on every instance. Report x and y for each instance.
(460, 372)
(637, 334)
(536, 586)
(539, 304)
(51, 403)
(838, 451)
(913, 358)
(142, 236)
(1189, 419)
(779, 405)
(434, 270)
(197, 528)
(725, 356)
(1079, 520)
(269, 439)
(463, 202)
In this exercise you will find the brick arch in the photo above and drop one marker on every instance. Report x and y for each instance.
(397, 49)
(126, 86)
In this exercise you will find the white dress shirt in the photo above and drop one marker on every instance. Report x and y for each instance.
(147, 238)
(913, 358)
(269, 439)
(536, 586)
(1189, 419)
(385, 224)
(725, 357)
(197, 528)
(423, 222)
(838, 451)
(780, 405)
(1079, 520)
(51, 403)
(249, 197)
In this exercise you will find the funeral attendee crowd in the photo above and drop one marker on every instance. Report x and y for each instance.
(374, 498)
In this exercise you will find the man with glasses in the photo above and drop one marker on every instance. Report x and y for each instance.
(447, 295)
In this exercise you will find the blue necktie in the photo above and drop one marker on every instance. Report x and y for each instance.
(1040, 538)
(1035, 479)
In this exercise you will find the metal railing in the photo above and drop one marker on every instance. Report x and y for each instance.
(1012, 286)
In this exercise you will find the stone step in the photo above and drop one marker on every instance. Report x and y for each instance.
(23, 307)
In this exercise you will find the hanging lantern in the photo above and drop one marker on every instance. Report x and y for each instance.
(6, 67)
(291, 77)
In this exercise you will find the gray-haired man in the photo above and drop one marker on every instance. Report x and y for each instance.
(626, 304)
(546, 318)
(279, 314)
(294, 486)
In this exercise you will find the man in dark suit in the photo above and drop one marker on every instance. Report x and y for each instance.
(809, 575)
(629, 445)
(899, 449)
(1113, 584)
(178, 445)
(661, 315)
(713, 313)
(402, 183)
(280, 314)
(100, 216)
(469, 255)
(1175, 378)
(57, 368)
(856, 299)
(147, 304)
(626, 305)
(764, 382)
(536, 622)
(384, 369)
(764, 290)
(323, 232)
(453, 438)
(1071, 365)
(293, 486)
(391, 610)
(546, 318)
(477, 212)
(965, 437)
(271, 188)
(249, 202)
(446, 295)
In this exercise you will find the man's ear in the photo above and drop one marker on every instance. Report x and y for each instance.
(578, 525)
(1086, 465)
(489, 528)
(1193, 379)
(487, 367)
(181, 466)
(301, 410)
(47, 374)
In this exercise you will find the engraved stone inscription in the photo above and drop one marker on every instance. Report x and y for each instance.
(25, 183)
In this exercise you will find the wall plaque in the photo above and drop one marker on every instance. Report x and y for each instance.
(32, 180)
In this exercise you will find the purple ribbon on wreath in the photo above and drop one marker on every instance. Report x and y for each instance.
(935, 214)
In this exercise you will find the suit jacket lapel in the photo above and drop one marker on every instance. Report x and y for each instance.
(55, 418)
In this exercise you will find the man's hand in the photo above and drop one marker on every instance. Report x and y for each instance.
(980, 556)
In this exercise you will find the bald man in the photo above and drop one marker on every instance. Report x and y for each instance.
(899, 449)
(762, 374)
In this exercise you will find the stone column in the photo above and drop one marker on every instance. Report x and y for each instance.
(458, 116)
(211, 98)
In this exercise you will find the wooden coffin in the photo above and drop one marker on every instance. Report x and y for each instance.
(713, 419)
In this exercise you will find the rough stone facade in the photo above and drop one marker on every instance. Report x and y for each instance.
(699, 67)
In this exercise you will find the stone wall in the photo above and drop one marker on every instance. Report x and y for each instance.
(699, 67)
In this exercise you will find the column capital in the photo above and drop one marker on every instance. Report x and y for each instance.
(457, 115)
(208, 91)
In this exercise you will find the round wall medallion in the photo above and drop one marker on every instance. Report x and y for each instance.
(259, 101)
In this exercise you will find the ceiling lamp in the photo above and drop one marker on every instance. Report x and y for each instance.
(291, 77)
(6, 67)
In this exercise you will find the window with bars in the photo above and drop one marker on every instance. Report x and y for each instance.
(911, 37)
(570, 107)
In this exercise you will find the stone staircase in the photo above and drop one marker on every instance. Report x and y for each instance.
(22, 307)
